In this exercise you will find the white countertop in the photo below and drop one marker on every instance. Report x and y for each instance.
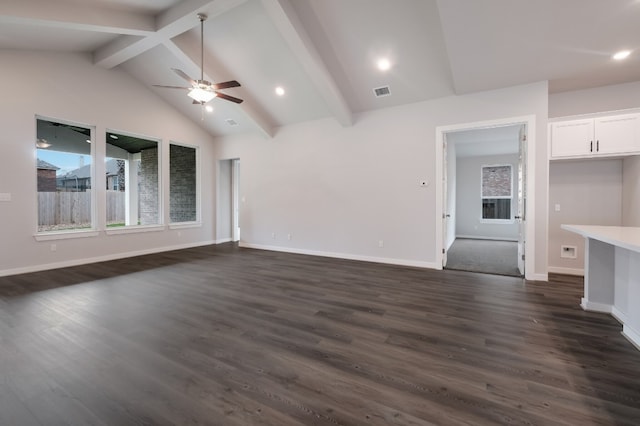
(622, 236)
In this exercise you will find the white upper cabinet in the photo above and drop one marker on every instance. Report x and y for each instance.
(592, 137)
(617, 134)
(571, 138)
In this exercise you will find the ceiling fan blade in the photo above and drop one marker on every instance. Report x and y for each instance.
(229, 98)
(183, 75)
(225, 85)
(171, 87)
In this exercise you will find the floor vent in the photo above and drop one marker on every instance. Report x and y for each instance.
(382, 91)
(231, 122)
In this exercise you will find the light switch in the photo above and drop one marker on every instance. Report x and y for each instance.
(5, 196)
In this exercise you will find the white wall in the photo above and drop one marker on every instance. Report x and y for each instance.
(69, 87)
(339, 191)
(600, 99)
(631, 191)
(469, 204)
(589, 193)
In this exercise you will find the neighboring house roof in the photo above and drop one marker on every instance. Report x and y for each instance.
(84, 172)
(43, 165)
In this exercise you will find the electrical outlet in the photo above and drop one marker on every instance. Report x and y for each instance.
(288, 236)
(557, 207)
(273, 235)
(53, 247)
(380, 243)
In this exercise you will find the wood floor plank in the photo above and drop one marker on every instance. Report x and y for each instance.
(232, 336)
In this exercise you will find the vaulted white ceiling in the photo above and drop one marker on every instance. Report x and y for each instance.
(324, 52)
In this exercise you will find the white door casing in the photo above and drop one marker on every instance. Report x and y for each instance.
(529, 171)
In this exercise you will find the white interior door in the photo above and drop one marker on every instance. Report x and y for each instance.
(235, 199)
(522, 197)
(445, 214)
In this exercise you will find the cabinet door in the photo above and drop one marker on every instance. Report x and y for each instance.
(617, 134)
(572, 138)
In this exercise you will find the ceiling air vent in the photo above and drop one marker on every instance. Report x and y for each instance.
(231, 122)
(382, 91)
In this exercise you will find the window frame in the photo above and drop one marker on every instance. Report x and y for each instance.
(69, 233)
(502, 197)
(198, 214)
(132, 229)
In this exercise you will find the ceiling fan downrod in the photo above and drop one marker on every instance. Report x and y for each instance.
(202, 17)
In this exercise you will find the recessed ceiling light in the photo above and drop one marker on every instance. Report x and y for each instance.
(384, 64)
(209, 108)
(112, 136)
(623, 54)
(280, 91)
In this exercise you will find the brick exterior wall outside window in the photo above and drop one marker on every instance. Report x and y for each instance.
(46, 180)
(148, 187)
(496, 181)
(496, 192)
(182, 186)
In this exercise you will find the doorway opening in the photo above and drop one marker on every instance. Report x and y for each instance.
(484, 197)
(228, 201)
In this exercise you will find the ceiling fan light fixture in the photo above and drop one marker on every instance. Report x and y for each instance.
(42, 143)
(201, 95)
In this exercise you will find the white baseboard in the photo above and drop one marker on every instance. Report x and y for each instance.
(477, 237)
(115, 256)
(619, 315)
(536, 277)
(386, 260)
(631, 335)
(595, 307)
(566, 271)
(223, 240)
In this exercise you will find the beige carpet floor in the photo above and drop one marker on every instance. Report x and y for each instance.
(487, 256)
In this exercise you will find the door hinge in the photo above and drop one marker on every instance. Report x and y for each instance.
(522, 257)
(524, 139)
(444, 252)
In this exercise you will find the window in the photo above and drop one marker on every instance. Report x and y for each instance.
(497, 192)
(64, 170)
(132, 181)
(183, 201)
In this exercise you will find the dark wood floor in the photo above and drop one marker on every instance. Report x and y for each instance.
(230, 336)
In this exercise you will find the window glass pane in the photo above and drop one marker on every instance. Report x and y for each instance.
(496, 208)
(496, 181)
(64, 173)
(132, 181)
(182, 188)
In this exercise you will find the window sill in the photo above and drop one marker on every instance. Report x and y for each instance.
(65, 235)
(498, 221)
(134, 229)
(185, 225)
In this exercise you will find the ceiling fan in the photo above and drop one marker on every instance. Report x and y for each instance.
(202, 91)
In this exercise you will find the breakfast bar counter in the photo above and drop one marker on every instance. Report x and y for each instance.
(612, 274)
